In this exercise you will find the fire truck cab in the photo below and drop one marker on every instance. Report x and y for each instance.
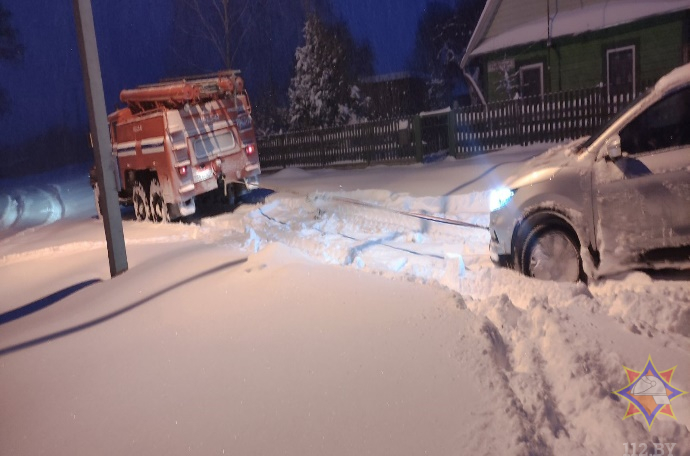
(181, 139)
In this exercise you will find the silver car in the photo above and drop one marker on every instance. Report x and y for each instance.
(615, 201)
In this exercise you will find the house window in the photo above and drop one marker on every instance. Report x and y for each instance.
(620, 64)
(532, 80)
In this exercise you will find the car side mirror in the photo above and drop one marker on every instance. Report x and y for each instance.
(612, 147)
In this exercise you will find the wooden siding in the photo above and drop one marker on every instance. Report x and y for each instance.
(527, 56)
(578, 62)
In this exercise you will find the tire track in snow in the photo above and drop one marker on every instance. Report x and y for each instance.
(550, 365)
(498, 373)
(538, 348)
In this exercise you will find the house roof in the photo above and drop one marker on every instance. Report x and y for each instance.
(506, 23)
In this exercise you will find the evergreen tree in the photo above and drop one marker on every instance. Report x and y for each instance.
(10, 50)
(323, 90)
(258, 37)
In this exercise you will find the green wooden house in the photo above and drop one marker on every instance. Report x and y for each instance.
(523, 48)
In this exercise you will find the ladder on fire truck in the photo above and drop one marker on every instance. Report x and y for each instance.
(175, 93)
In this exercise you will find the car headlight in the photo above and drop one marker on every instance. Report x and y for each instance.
(499, 197)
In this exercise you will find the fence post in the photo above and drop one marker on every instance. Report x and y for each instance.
(322, 146)
(453, 133)
(418, 148)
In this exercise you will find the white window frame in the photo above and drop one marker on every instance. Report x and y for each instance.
(608, 67)
(541, 76)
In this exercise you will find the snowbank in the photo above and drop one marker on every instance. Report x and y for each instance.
(308, 326)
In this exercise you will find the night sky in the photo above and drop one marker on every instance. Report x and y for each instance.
(46, 89)
(389, 25)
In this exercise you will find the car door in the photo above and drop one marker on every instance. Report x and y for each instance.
(642, 199)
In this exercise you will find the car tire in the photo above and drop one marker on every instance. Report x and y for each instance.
(552, 252)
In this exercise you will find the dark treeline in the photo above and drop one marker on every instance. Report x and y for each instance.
(57, 147)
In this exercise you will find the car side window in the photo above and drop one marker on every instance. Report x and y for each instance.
(663, 125)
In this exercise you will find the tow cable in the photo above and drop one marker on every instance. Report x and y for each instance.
(418, 215)
(431, 218)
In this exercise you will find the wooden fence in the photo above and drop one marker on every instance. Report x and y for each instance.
(365, 143)
(470, 130)
(551, 118)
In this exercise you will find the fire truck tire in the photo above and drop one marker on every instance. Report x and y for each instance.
(159, 209)
(231, 196)
(140, 201)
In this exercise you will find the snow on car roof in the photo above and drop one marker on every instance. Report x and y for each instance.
(679, 76)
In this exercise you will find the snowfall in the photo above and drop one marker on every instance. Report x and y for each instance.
(304, 324)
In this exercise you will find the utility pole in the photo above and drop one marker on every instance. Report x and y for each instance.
(98, 122)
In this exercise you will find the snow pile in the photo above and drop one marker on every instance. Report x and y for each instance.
(312, 325)
(44, 199)
(373, 237)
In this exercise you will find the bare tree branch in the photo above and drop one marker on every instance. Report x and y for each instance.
(209, 34)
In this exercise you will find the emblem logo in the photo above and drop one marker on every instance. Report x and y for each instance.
(649, 392)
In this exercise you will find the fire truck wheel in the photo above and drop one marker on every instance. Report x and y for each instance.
(140, 202)
(159, 210)
(231, 198)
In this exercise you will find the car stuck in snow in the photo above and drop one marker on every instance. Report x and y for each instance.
(615, 201)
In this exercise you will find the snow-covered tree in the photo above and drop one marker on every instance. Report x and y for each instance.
(258, 37)
(508, 84)
(323, 90)
(11, 49)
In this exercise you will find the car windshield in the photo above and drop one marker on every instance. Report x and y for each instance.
(613, 119)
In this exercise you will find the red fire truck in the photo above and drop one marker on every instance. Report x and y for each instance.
(180, 139)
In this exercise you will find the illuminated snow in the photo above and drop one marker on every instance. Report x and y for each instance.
(306, 326)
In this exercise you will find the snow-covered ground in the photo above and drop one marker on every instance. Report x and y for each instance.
(309, 325)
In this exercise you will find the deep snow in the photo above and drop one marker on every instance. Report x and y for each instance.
(307, 326)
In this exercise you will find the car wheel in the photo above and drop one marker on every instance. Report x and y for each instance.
(552, 252)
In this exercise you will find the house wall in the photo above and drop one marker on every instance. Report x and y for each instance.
(580, 61)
